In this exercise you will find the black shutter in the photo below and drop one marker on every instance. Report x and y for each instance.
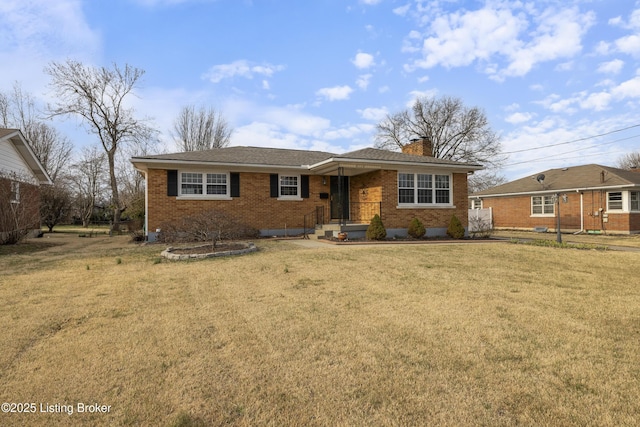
(235, 184)
(304, 186)
(273, 184)
(172, 183)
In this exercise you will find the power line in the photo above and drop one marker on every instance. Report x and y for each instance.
(556, 156)
(572, 141)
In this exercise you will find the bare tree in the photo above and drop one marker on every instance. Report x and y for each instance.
(98, 95)
(132, 182)
(201, 129)
(18, 109)
(87, 180)
(456, 131)
(629, 160)
(4, 110)
(55, 202)
(483, 180)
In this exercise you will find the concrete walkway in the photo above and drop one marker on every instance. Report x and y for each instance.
(310, 243)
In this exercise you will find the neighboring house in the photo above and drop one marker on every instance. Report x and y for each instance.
(592, 198)
(21, 174)
(280, 191)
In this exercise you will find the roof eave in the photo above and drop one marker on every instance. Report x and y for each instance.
(30, 158)
(549, 191)
(396, 163)
(159, 163)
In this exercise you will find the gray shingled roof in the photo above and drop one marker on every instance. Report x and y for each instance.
(394, 156)
(287, 157)
(565, 179)
(247, 155)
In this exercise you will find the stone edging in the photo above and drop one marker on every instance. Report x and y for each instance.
(168, 253)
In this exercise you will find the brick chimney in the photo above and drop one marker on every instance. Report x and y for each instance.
(419, 147)
(635, 169)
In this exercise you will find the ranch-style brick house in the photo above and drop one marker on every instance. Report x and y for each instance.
(290, 192)
(592, 198)
(21, 175)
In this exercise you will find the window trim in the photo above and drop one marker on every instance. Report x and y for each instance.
(203, 183)
(621, 201)
(637, 201)
(416, 188)
(298, 186)
(543, 214)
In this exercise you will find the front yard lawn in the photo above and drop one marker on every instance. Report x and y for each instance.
(476, 334)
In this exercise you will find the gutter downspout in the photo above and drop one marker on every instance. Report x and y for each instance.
(146, 205)
(581, 213)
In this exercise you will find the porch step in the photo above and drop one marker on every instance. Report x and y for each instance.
(331, 230)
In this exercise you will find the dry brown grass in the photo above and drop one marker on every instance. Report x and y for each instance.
(480, 334)
(627, 240)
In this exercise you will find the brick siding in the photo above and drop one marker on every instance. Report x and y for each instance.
(255, 206)
(28, 209)
(515, 212)
(259, 210)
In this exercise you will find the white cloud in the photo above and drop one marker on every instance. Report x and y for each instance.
(463, 37)
(363, 81)
(262, 134)
(36, 32)
(414, 94)
(617, 21)
(350, 132)
(336, 93)
(596, 101)
(402, 10)
(517, 118)
(603, 48)
(565, 66)
(558, 36)
(627, 89)
(373, 114)
(155, 3)
(240, 68)
(370, 2)
(629, 45)
(611, 67)
(363, 60)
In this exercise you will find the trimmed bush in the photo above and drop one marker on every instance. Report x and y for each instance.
(455, 230)
(376, 230)
(416, 229)
(209, 226)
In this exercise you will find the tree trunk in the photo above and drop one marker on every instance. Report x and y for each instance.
(115, 198)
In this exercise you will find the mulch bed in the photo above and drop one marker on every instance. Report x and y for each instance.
(206, 249)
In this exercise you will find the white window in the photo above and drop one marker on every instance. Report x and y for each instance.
(635, 200)
(424, 189)
(217, 183)
(614, 201)
(205, 185)
(15, 192)
(542, 205)
(289, 186)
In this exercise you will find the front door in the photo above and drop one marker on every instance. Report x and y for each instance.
(339, 197)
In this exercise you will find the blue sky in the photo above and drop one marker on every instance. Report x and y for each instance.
(319, 74)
